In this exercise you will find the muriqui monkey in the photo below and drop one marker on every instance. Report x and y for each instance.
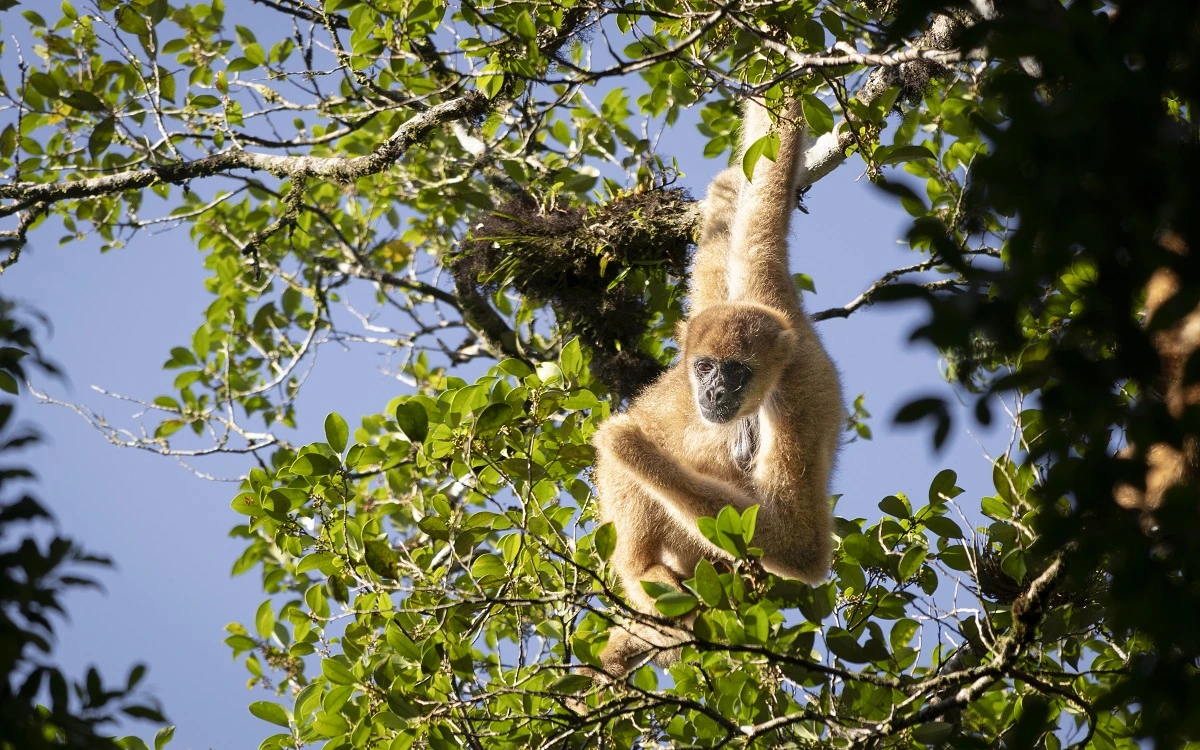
(751, 413)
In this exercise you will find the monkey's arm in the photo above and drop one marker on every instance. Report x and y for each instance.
(758, 254)
(685, 493)
(709, 283)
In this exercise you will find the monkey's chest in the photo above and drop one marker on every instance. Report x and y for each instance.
(745, 445)
(729, 455)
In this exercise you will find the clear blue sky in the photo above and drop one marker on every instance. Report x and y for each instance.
(116, 316)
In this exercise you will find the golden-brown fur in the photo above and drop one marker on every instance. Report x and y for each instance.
(661, 465)
(1167, 465)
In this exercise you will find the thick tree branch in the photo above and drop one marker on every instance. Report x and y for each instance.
(334, 168)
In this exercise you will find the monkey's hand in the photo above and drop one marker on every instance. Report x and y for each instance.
(685, 490)
(622, 439)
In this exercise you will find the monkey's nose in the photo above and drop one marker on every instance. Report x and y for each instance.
(717, 396)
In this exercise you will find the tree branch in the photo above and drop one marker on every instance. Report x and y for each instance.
(14, 239)
(334, 168)
(867, 298)
(1027, 612)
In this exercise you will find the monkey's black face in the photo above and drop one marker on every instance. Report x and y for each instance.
(720, 388)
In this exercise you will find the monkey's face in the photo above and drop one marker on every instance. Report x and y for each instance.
(720, 387)
(734, 354)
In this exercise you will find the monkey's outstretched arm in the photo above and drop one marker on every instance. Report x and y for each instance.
(709, 280)
(758, 254)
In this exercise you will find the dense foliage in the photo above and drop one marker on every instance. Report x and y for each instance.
(433, 577)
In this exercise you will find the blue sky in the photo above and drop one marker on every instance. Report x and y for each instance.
(115, 317)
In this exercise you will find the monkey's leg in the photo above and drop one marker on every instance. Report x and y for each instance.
(641, 538)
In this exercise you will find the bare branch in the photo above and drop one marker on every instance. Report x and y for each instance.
(14, 239)
(868, 297)
(337, 169)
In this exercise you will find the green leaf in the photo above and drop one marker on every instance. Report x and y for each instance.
(241, 643)
(316, 601)
(749, 522)
(933, 733)
(994, 507)
(8, 383)
(264, 619)
(844, 645)
(181, 357)
(1013, 563)
(306, 701)
(944, 484)
(910, 562)
(605, 540)
(657, 588)
(337, 673)
(897, 154)
(515, 367)
(943, 527)
(329, 725)
(315, 561)
(239, 65)
(863, 550)
(903, 632)
(413, 421)
(336, 432)
(490, 84)
(726, 532)
(956, 557)
(254, 53)
(817, 114)
(311, 464)
(247, 504)
(44, 84)
(708, 584)
(549, 372)
(401, 643)
(525, 27)
(8, 142)
(101, 137)
(894, 506)
(337, 590)
(164, 735)
(645, 679)
(272, 712)
(571, 683)
(675, 603)
(756, 151)
(381, 557)
(571, 359)
(581, 399)
(489, 565)
(493, 418)
(205, 101)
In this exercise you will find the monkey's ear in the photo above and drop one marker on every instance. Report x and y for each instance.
(787, 342)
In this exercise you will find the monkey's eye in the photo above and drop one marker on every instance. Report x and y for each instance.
(737, 373)
(704, 367)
